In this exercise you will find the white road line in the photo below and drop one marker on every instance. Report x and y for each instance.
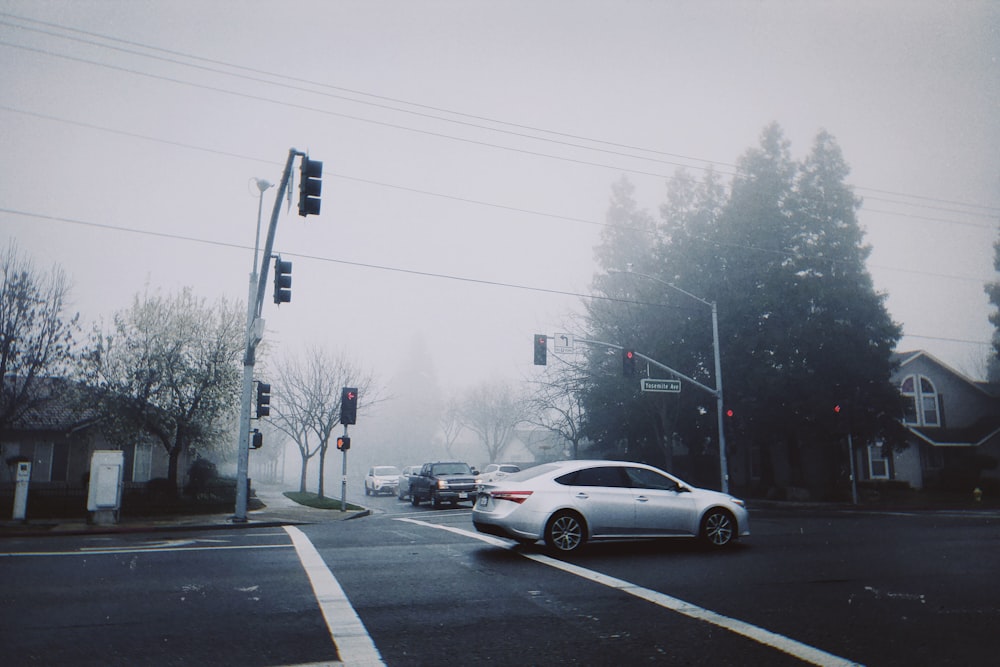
(354, 644)
(787, 645)
(98, 551)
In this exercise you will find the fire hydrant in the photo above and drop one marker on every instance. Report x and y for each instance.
(977, 494)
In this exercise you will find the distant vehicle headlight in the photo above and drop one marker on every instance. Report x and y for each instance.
(442, 484)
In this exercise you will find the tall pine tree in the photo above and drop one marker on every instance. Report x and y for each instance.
(781, 253)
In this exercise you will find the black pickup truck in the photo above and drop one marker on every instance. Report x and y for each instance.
(444, 481)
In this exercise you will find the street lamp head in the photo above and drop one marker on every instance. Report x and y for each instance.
(263, 184)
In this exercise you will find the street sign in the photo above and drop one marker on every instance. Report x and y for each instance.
(562, 343)
(663, 386)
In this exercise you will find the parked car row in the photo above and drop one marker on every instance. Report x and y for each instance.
(391, 480)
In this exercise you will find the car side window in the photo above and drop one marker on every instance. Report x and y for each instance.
(601, 476)
(641, 478)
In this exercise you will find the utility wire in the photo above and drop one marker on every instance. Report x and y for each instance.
(987, 209)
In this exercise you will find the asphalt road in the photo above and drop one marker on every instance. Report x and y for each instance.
(417, 586)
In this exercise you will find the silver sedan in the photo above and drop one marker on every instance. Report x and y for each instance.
(568, 503)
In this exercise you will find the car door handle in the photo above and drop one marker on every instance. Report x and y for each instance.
(642, 499)
(582, 496)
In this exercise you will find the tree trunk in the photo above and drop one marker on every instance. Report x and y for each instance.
(174, 458)
(322, 467)
(302, 476)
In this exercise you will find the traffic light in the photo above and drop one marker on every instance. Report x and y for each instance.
(348, 405)
(842, 417)
(282, 281)
(628, 363)
(343, 443)
(541, 349)
(263, 399)
(310, 186)
(256, 439)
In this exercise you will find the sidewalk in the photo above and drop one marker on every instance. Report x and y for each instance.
(278, 510)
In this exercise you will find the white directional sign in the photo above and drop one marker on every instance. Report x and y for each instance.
(562, 343)
(665, 386)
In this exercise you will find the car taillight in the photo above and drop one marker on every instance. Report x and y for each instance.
(513, 496)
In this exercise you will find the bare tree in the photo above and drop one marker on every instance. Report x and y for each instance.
(555, 405)
(169, 367)
(451, 425)
(36, 335)
(307, 402)
(491, 411)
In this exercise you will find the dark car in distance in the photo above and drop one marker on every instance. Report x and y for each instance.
(444, 482)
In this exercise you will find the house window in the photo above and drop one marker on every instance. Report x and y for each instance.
(921, 406)
(878, 463)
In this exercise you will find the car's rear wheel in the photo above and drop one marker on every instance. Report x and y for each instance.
(718, 528)
(565, 532)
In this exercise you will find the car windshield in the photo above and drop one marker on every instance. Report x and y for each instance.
(452, 469)
(386, 471)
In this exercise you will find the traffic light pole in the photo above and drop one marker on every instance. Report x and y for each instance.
(717, 392)
(343, 478)
(254, 333)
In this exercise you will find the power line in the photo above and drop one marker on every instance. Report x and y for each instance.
(987, 210)
(392, 269)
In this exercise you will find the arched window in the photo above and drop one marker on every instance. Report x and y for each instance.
(920, 401)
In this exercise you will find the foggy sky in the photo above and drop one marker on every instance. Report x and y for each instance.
(470, 148)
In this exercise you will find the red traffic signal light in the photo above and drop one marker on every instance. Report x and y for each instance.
(348, 405)
(541, 349)
(628, 363)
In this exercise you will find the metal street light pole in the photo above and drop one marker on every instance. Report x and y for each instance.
(723, 463)
(243, 451)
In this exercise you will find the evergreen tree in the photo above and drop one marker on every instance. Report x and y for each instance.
(781, 254)
(993, 292)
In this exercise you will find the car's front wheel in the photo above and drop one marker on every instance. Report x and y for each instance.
(718, 528)
(565, 532)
